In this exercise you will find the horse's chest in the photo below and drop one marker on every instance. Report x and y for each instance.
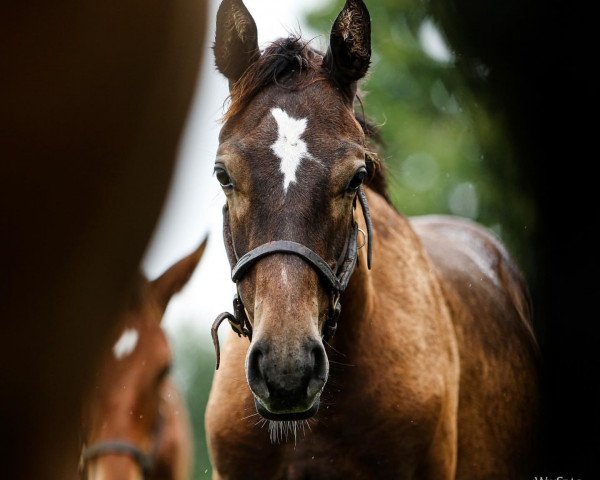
(315, 456)
(360, 438)
(333, 464)
(337, 466)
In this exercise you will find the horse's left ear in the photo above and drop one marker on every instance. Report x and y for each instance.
(349, 53)
(236, 40)
(175, 278)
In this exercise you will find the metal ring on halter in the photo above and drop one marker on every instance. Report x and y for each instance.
(364, 236)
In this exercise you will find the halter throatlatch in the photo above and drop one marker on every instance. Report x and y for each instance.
(337, 280)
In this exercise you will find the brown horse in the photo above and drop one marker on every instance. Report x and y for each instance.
(94, 96)
(432, 373)
(136, 424)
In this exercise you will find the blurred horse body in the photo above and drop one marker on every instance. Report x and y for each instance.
(434, 374)
(136, 424)
(93, 97)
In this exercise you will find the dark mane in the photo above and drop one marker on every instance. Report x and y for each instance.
(279, 64)
(376, 167)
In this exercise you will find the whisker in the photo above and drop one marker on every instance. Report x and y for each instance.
(249, 416)
(261, 422)
(342, 363)
(284, 431)
(332, 348)
(308, 424)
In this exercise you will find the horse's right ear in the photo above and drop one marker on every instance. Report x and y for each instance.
(175, 278)
(236, 41)
(349, 53)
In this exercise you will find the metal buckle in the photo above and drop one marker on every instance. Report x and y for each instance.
(236, 326)
(364, 239)
(237, 320)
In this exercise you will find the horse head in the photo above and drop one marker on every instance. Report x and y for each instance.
(291, 162)
(124, 413)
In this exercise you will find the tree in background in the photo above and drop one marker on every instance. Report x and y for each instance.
(444, 152)
(194, 369)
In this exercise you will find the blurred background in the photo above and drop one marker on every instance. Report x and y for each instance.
(447, 147)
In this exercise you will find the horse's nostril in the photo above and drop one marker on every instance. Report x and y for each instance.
(319, 367)
(254, 359)
(256, 378)
(320, 364)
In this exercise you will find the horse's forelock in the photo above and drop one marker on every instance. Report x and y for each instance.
(278, 62)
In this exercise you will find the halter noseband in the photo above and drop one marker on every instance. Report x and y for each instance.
(337, 280)
(146, 461)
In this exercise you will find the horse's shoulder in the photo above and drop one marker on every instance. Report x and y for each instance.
(473, 265)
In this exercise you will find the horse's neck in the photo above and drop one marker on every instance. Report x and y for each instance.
(401, 275)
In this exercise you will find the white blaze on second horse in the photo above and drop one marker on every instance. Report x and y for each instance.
(289, 146)
(126, 343)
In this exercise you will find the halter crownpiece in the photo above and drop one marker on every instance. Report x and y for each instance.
(337, 280)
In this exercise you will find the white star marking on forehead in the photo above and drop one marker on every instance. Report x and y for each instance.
(289, 147)
(126, 343)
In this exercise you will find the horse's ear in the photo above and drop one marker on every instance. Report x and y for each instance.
(175, 278)
(236, 41)
(349, 53)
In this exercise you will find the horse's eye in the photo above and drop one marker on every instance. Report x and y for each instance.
(223, 177)
(164, 373)
(357, 180)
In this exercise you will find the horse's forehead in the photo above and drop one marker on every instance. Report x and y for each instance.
(290, 146)
(281, 130)
(284, 138)
(318, 103)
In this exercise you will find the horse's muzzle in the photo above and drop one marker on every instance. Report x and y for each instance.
(287, 385)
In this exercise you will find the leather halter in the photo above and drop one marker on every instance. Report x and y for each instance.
(337, 280)
(146, 461)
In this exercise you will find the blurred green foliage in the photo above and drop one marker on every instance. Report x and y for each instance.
(194, 362)
(445, 153)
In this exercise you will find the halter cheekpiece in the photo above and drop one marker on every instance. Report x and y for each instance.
(337, 280)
